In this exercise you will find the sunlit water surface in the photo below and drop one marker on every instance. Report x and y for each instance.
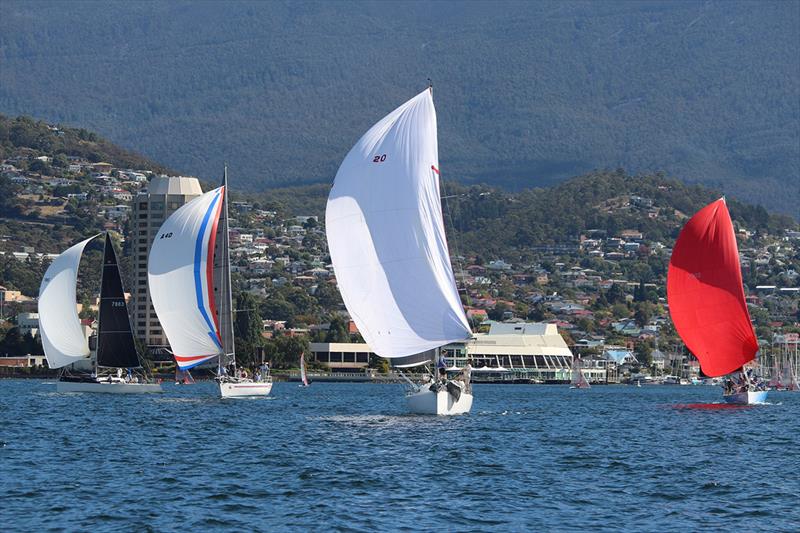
(346, 457)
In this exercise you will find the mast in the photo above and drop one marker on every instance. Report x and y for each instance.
(222, 281)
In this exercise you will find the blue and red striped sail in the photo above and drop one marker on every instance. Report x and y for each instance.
(706, 295)
(181, 279)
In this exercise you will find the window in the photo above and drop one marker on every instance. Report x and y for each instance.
(141, 324)
(155, 332)
(159, 206)
(143, 206)
(362, 358)
(142, 216)
(349, 357)
(141, 282)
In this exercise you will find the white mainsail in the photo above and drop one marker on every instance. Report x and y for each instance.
(60, 327)
(180, 277)
(386, 236)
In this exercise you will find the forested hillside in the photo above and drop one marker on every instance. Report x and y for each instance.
(527, 93)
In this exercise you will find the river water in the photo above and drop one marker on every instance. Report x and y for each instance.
(345, 457)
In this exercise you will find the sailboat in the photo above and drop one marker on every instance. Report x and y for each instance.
(389, 252)
(789, 377)
(776, 380)
(706, 301)
(578, 379)
(66, 346)
(189, 274)
(303, 371)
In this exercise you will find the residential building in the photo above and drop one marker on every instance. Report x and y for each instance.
(151, 207)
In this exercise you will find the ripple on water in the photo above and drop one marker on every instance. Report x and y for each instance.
(345, 456)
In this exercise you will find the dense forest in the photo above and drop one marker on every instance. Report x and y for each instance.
(528, 93)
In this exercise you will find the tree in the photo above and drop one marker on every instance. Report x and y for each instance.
(644, 353)
(337, 331)
(247, 325)
(615, 294)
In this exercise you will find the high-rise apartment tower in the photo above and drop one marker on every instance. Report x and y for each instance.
(150, 208)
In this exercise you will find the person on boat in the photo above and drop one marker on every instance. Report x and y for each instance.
(440, 364)
(466, 372)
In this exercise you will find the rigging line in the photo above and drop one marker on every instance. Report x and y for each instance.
(455, 241)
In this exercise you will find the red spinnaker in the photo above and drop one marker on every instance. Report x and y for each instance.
(705, 293)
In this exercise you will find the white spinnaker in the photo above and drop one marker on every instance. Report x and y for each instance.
(178, 277)
(60, 327)
(386, 236)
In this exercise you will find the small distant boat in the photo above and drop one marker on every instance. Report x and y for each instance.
(578, 379)
(776, 379)
(790, 377)
(117, 367)
(183, 377)
(707, 305)
(389, 251)
(303, 372)
(638, 382)
(189, 274)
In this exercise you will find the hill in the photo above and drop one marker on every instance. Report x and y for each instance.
(528, 93)
(24, 136)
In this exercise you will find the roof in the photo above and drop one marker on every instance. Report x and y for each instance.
(620, 356)
(175, 185)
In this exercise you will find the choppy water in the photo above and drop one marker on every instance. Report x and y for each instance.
(343, 456)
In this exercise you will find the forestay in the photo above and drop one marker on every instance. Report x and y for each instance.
(60, 327)
(180, 276)
(386, 236)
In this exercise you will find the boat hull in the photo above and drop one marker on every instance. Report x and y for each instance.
(245, 389)
(112, 388)
(427, 402)
(746, 398)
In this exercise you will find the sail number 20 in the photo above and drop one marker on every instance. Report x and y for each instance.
(379, 158)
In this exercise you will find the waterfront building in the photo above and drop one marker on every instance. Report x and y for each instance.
(150, 208)
(515, 351)
(508, 351)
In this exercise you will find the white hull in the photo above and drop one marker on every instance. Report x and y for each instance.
(245, 389)
(427, 402)
(746, 398)
(114, 387)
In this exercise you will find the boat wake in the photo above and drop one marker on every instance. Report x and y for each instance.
(716, 406)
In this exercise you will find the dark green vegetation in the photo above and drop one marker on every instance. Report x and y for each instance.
(527, 93)
(490, 222)
(25, 136)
